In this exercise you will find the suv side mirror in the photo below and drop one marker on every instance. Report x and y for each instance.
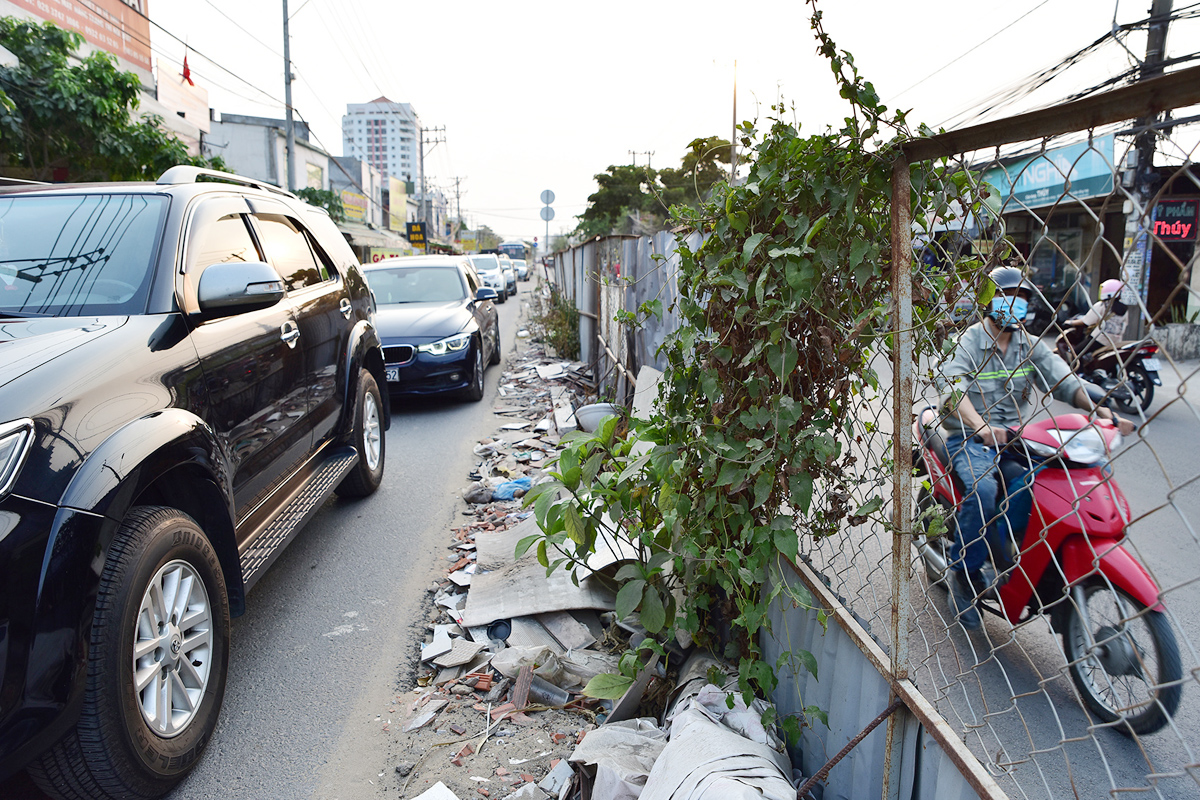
(485, 293)
(239, 286)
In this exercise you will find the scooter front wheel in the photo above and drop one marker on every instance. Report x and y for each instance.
(1124, 661)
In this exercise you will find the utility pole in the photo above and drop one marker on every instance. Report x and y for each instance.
(457, 207)
(1137, 260)
(287, 101)
(424, 215)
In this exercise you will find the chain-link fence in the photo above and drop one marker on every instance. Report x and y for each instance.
(1046, 605)
(1029, 587)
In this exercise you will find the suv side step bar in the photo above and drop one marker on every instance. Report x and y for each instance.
(270, 542)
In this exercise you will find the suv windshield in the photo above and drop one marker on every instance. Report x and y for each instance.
(77, 255)
(416, 285)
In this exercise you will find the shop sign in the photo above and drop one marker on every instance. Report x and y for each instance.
(383, 253)
(1081, 170)
(416, 234)
(1175, 220)
(354, 206)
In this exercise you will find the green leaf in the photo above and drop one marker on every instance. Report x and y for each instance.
(788, 543)
(870, 507)
(607, 687)
(750, 246)
(808, 660)
(633, 468)
(815, 711)
(542, 557)
(628, 598)
(629, 571)
(574, 524)
(801, 488)
(526, 543)
(654, 616)
(731, 473)
(587, 475)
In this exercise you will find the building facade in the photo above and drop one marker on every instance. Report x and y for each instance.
(386, 135)
(257, 148)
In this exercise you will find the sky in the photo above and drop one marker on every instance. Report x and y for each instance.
(541, 95)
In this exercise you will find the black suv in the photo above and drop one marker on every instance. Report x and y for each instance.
(188, 370)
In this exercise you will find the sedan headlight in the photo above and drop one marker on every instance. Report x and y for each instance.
(448, 345)
(15, 439)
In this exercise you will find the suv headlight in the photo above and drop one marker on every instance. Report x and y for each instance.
(447, 345)
(15, 439)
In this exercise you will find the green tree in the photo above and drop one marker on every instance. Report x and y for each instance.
(699, 172)
(324, 198)
(59, 111)
(632, 199)
(623, 189)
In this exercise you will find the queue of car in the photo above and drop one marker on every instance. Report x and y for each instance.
(190, 369)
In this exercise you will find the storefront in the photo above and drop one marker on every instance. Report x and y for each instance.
(1066, 218)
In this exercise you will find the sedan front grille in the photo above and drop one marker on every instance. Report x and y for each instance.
(398, 354)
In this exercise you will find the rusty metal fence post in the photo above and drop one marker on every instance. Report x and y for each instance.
(902, 399)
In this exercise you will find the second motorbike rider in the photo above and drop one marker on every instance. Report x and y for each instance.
(987, 388)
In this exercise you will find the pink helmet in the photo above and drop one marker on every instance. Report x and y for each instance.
(1111, 288)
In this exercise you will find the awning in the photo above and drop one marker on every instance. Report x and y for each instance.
(362, 236)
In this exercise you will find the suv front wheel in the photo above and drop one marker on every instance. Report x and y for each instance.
(156, 666)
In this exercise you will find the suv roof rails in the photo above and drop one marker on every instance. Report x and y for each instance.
(6, 181)
(186, 174)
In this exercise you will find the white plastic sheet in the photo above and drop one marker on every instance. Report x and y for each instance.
(624, 754)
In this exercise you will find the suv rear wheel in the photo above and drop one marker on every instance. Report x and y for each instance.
(156, 666)
(368, 439)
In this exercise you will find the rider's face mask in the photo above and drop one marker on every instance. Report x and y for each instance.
(1009, 311)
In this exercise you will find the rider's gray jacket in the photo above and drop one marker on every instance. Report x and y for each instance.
(1000, 385)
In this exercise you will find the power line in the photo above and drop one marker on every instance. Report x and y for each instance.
(238, 25)
(968, 52)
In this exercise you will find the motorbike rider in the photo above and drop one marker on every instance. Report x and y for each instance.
(986, 388)
(1106, 318)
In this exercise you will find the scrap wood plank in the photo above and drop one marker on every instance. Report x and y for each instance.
(520, 693)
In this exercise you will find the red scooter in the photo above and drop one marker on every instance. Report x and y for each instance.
(1070, 566)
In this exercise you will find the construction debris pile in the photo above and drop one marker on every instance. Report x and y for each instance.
(498, 710)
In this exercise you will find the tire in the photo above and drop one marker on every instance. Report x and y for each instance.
(935, 552)
(1142, 389)
(474, 391)
(1133, 673)
(368, 439)
(122, 746)
(502, 295)
(494, 358)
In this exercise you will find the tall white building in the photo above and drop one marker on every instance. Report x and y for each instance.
(386, 135)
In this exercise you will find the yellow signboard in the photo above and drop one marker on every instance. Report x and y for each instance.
(354, 205)
(397, 204)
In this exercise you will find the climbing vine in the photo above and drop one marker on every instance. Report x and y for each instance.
(780, 308)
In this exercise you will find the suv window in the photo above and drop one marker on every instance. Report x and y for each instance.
(472, 280)
(227, 239)
(78, 254)
(290, 251)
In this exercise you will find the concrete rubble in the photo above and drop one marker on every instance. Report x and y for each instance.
(514, 646)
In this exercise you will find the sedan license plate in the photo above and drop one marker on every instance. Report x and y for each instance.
(1151, 364)
(391, 374)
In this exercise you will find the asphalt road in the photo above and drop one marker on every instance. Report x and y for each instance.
(330, 633)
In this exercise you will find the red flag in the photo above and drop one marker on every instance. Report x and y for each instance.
(187, 72)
